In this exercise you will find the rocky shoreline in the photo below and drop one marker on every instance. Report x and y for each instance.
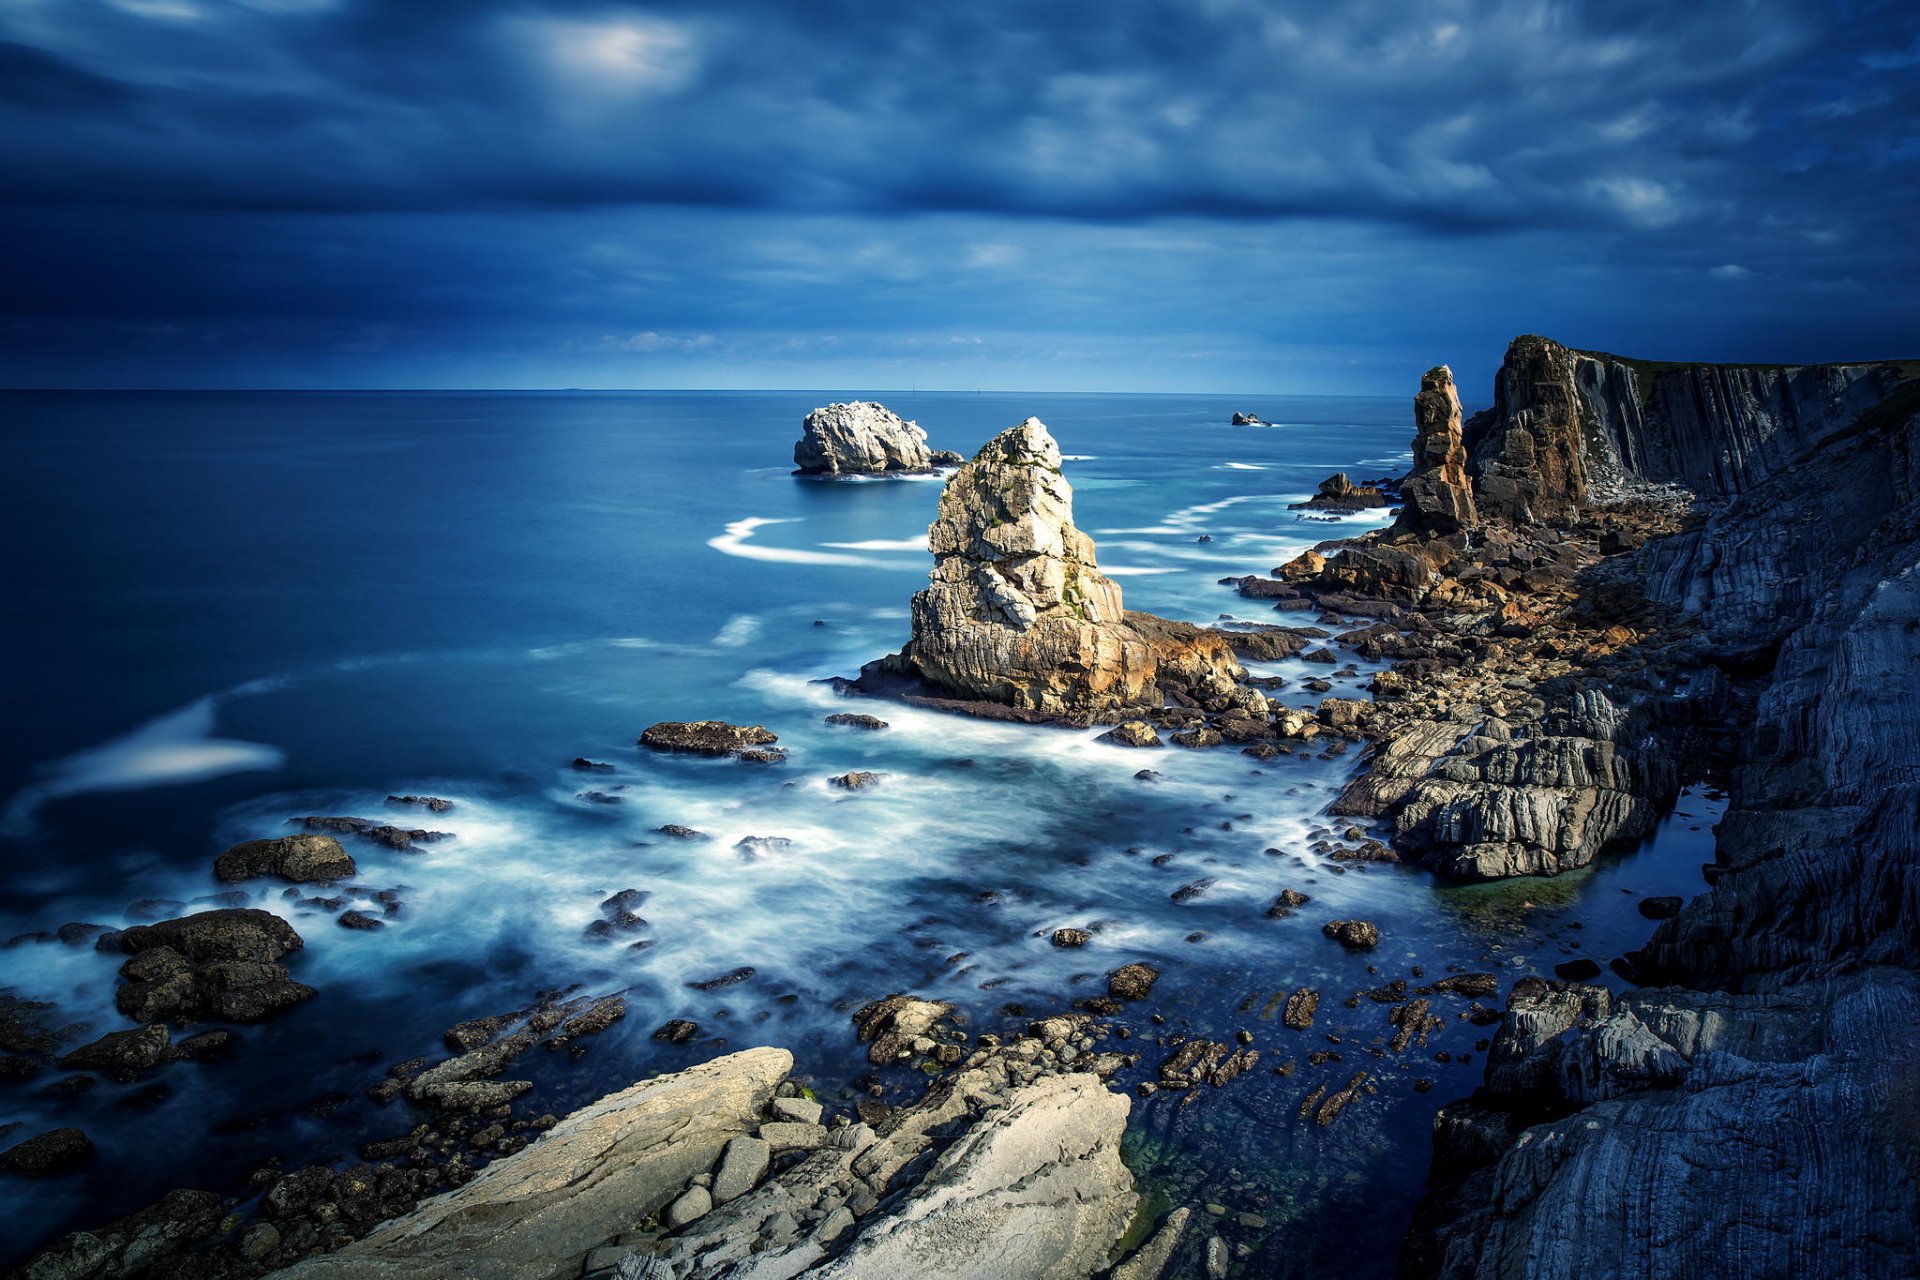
(1618, 580)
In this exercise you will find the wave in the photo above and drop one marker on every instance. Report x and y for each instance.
(176, 748)
(1242, 466)
(735, 542)
(883, 544)
(739, 631)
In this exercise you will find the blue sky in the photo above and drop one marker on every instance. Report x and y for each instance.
(1208, 195)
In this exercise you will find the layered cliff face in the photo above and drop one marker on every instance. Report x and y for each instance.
(1018, 612)
(1752, 1112)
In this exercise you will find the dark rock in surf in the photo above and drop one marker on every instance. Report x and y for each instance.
(1355, 935)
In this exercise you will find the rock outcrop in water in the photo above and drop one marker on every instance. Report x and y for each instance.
(1019, 614)
(863, 438)
(1667, 570)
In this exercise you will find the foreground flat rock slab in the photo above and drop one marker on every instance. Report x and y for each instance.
(1035, 1189)
(602, 1171)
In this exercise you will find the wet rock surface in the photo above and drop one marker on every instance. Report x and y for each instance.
(706, 737)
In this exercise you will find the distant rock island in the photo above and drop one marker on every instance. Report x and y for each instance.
(865, 439)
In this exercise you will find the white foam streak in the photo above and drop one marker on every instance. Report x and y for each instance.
(176, 748)
(734, 542)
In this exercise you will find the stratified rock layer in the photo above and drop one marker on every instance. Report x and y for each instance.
(1018, 612)
(861, 438)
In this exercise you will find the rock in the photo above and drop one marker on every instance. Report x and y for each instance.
(1664, 908)
(124, 1054)
(1199, 1061)
(1133, 733)
(1192, 889)
(1247, 420)
(856, 781)
(1338, 493)
(1300, 1009)
(1132, 981)
(217, 964)
(1071, 937)
(1437, 496)
(433, 804)
(741, 1167)
(1288, 901)
(853, 720)
(675, 831)
(591, 766)
(1356, 935)
(861, 438)
(792, 1135)
(304, 859)
(47, 1155)
(140, 1244)
(403, 839)
(1199, 738)
(678, 1031)
(1034, 1187)
(706, 737)
(1582, 969)
(797, 1109)
(1019, 614)
(1473, 985)
(1149, 1261)
(591, 1178)
(360, 920)
(727, 979)
(697, 1203)
(890, 1026)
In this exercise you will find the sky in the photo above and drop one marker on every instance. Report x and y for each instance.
(1189, 195)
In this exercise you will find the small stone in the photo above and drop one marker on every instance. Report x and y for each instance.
(695, 1203)
(798, 1110)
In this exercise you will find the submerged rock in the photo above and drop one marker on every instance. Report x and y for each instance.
(1355, 935)
(861, 438)
(1018, 613)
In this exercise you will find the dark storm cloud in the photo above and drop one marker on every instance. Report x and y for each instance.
(345, 162)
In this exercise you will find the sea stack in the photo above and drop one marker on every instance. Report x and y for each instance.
(1437, 497)
(1018, 612)
(861, 438)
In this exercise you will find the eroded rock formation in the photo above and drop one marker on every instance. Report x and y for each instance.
(1670, 569)
(861, 438)
(1018, 612)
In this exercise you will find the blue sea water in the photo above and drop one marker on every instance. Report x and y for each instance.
(229, 610)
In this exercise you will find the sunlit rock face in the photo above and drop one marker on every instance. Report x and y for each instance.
(1018, 611)
(861, 438)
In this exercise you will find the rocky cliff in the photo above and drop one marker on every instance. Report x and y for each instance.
(1018, 614)
(1749, 1110)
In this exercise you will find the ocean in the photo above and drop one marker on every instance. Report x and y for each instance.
(231, 610)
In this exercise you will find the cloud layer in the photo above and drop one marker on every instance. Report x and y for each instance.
(398, 190)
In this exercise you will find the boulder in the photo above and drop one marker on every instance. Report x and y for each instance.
(861, 438)
(217, 964)
(1355, 935)
(48, 1154)
(1338, 493)
(892, 1025)
(304, 859)
(1133, 733)
(1132, 981)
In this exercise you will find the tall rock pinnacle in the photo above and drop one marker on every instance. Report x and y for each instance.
(1017, 611)
(1438, 497)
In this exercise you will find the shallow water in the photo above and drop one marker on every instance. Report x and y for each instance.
(239, 609)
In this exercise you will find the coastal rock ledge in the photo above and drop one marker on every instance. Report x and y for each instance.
(1019, 614)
